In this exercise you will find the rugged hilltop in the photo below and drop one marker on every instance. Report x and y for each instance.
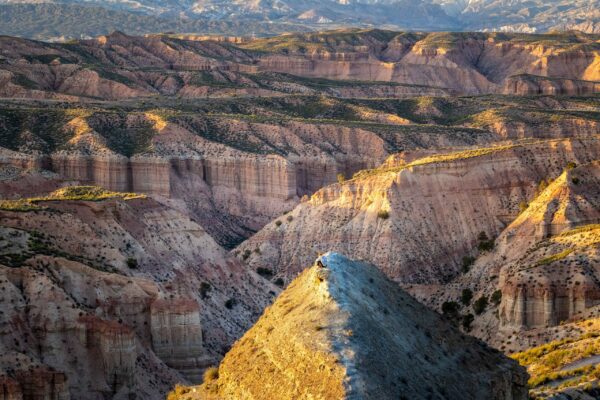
(113, 295)
(66, 19)
(343, 330)
(416, 220)
(119, 66)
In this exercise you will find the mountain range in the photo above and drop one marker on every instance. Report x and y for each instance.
(67, 19)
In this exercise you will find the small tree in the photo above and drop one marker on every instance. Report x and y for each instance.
(383, 214)
(496, 297)
(467, 261)
(467, 321)
(204, 289)
(450, 309)
(480, 305)
(466, 296)
(132, 263)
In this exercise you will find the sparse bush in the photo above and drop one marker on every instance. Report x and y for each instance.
(467, 321)
(264, 272)
(278, 223)
(132, 263)
(204, 289)
(576, 181)
(279, 282)
(211, 374)
(466, 296)
(571, 165)
(480, 305)
(383, 214)
(496, 297)
(523, 206)
(246, 254)
(485, 243)
(229, 304)
(450, 309)
(341, 178)
(467, 261)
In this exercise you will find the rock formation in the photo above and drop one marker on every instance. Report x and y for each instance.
(120, 297)
(343, 330)
(411, 219)
(118, 66)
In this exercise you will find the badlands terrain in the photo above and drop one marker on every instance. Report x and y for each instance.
(159, 194)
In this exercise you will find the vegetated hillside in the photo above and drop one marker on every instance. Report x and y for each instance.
(113, 295)
(366, 63)
(416, 220)
(340, 330)
(569, 366)
(539, 283)
(236, 164)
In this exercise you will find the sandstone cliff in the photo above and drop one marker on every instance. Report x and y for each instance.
(541, 274)
(415, 221)
(341, 330)
(119, 293)
(118, 66)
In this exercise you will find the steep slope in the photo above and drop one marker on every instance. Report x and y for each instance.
(118, 66)
(415, 220)
(118, 293)
(542, 274)
(341, 330)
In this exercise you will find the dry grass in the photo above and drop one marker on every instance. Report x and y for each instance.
(550, 362)
(74, 193)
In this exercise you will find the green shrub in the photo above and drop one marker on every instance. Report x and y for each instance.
(496, 297)
(576, 181)
(211, 374)
(485, 243)
(279, 282)
(571, 165)
(341, 178)
(467, 261)
(523, 206)
(230, 303)
(132, 263)
(480, 305)
(278, 223)
(383, 214)
(246, 254)
(450, 309)
(467, 321)
(466, 296)
(264, 272)
(204, 289)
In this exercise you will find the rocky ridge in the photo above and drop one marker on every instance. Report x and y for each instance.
(341, 329)
(135, 299)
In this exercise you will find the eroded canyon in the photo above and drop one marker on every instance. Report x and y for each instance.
(158, 193)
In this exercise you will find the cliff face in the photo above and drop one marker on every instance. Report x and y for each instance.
(528, 85)
(27, 379)
(88, 295)
(337, 326)
(556, 279)
(410, 219)
(118, 66)
(541, 279)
